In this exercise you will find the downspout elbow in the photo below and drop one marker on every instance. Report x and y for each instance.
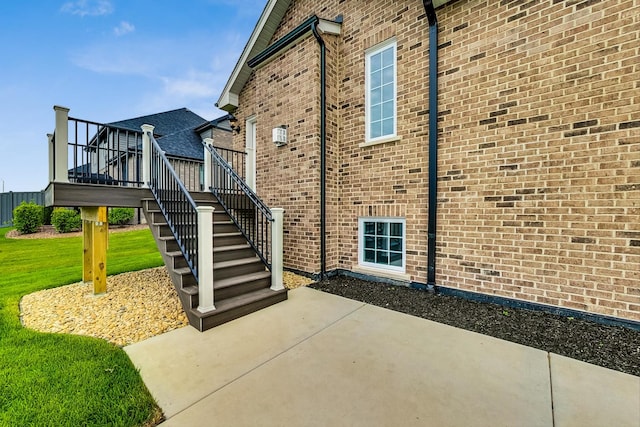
(430, 10)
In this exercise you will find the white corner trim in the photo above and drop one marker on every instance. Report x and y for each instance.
(380, 141)
(403, 277)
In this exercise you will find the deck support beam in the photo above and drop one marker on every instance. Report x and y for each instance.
(95, 238)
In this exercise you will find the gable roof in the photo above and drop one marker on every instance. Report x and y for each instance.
(177, 131)
(259, 40)
(219, 123)
(165, 123)
(185, 143)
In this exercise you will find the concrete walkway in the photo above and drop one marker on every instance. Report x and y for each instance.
(323, 360)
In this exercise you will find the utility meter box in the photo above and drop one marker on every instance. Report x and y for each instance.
(280, 135)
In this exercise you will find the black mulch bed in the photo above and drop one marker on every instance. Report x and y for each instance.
(614, 347)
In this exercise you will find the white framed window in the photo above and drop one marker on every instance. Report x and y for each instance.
(382, 243)
(380, 93)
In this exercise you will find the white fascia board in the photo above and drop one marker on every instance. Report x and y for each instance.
(228, 100)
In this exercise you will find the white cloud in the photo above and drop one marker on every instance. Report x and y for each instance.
(113, 59)
(124, 28)
(170, 73)
(194, 85)
(88, 7)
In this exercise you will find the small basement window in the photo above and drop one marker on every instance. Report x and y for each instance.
(381, 243)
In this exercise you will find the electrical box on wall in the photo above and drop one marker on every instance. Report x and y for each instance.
(280, 135)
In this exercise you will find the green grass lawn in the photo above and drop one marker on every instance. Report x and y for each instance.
(66, 380)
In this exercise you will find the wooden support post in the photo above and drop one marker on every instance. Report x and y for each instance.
(87, 253)
(95, 240)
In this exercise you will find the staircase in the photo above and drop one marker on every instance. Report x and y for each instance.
(235, 278)
(241, 281)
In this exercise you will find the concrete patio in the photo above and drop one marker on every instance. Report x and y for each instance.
(322, 360)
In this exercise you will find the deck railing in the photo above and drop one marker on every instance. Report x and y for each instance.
(176, 204)
(236, 159)
(103, 154)
(96, 153)
(245, 208)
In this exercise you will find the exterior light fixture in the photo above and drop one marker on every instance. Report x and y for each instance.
(233, 122)
(280, 135)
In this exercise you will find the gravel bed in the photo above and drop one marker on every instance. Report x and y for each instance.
(613, 347)
(136, 306)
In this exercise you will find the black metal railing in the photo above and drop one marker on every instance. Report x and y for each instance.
(103, 154)
(245, 208)
(176, 204)
(236, 159)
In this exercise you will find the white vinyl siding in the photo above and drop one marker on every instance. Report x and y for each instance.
(381, 91)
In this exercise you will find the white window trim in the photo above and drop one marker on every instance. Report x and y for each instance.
(380, 267)
(368, 53)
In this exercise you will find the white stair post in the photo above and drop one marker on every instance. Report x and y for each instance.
(207, 164)
(277, 249)
(61, 156)
(146, 154)
(205, 259)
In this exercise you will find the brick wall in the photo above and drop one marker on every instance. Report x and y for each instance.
(540, 148)
(286, 92)
(539, 152)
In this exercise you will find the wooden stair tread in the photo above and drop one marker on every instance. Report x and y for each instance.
(182, 271)
(238, 280)
(235, 262)
(239, 301)
(190, 290)
(229, 234)
(231, 248)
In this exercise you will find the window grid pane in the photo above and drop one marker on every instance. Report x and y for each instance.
(382, 93)
(383, 243)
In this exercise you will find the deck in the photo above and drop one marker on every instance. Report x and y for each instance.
(83, 195)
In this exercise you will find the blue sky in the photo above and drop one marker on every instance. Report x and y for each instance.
(108, 60)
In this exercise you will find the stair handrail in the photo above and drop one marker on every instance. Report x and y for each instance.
(239, 201)
(176, 204)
